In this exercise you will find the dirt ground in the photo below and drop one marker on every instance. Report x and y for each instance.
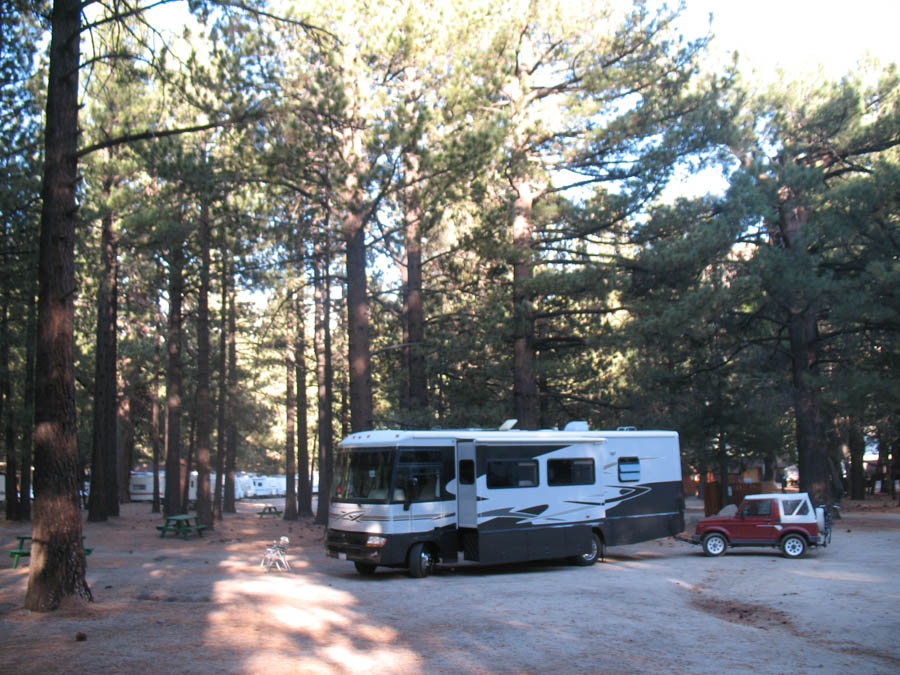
(206, 606)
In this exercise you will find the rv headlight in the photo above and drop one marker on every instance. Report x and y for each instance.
(376, 541)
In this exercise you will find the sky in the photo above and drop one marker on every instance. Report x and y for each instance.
(798, 35)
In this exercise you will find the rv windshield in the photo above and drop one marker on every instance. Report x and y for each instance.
(362, 475)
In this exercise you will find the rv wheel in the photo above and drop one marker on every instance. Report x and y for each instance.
(589, 558)
(364, 568)
(420, 561)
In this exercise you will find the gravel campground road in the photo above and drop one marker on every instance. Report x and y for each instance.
(205, 606)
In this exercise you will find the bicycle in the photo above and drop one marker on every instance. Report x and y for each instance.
(828, 510)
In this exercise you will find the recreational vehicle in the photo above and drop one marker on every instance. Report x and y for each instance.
(417, 498)
(140, 486)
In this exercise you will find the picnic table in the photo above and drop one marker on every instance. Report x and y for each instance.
(181, 525)
(269, 511)
(23, 549)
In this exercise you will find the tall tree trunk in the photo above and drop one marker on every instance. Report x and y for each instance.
(28, 406)
(290, 443)
(803, 331)
(57, 567)
(187, 464)
(304, 497)
(204, 404)
(324, 379)
(524, 379)
(127, 414)
(414, 301)
(13, 512)
(810, 424)
(223, 390)
(358, 351)
(231, 441)
(104, 497)
(154, 437)
(173, 504)
(722, 457)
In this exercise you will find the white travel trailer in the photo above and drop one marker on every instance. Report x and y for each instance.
(140, 485)
(416, 498)
(262, 487)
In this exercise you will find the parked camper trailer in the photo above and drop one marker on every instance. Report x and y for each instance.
(262, 487)
(416, 498)
(140, 485)
(243, 486)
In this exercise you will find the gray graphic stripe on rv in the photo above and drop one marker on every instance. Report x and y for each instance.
(627, 492)
(529, 512)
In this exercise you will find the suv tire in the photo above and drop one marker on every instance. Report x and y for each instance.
(793, 546)
(714, 544)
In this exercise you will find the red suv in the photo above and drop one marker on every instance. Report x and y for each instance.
(787, 521)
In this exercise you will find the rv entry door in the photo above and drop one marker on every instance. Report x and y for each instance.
(466, 493)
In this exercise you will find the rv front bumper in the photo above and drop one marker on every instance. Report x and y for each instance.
(364, 547)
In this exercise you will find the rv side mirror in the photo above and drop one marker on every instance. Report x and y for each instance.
(412, 491)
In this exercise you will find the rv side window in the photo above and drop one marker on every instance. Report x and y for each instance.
(511, 473)
(570, 471)
(466, 471)
(629, 469)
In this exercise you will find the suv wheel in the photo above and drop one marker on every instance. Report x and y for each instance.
(793, 546)
(714, 544)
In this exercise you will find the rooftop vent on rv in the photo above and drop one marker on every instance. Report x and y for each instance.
(508, 424)
(577, 425)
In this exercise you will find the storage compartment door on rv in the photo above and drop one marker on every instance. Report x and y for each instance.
(466, 497)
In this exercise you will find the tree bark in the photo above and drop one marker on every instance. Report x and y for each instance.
(28, 406)
(173, 504)
(414, 299)
(290, 443)
(221, 422)
(126, 414)
(325, 381)
(187, 464)
(304, 497)
(57, 568)
(13, 512)
(155, 437)
(231, 441)
(358, 351)
(104, 497)
(809, 418)
(204, 404)
(524, 378)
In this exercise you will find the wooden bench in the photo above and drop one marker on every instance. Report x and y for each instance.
(269, 511)
(22, 552)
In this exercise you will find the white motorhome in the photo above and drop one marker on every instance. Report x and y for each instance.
(416, 498)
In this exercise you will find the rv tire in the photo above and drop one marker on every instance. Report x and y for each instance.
(364, 568)
(588, 559)
(420, 561)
